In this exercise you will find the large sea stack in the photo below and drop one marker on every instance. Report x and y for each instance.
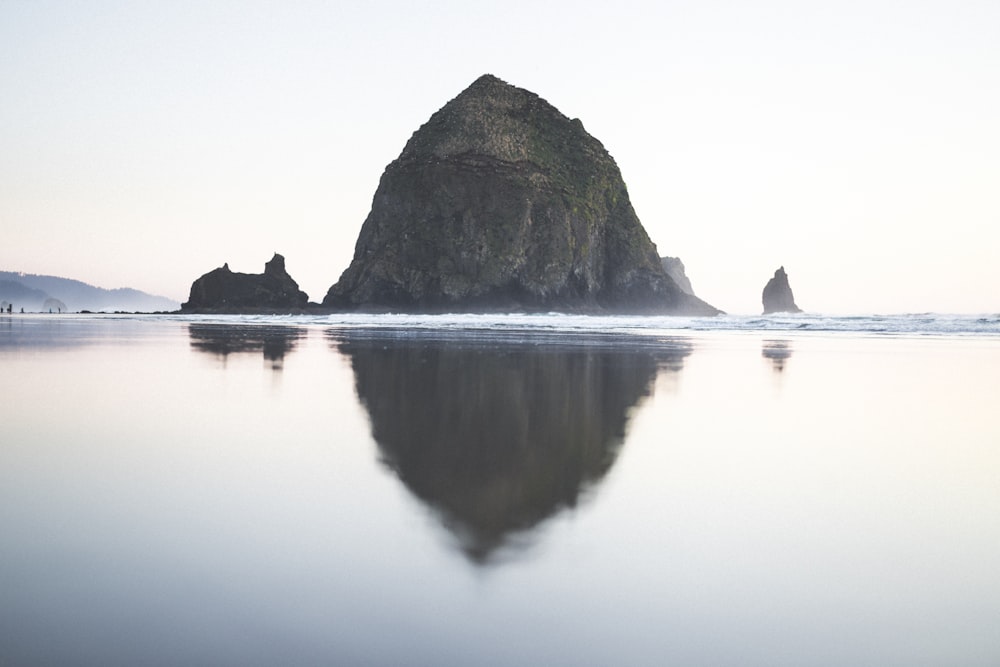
(500, 202)
(225, 291)
(777, 295)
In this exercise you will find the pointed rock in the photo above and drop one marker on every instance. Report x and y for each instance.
(500, 202)
(777, 296)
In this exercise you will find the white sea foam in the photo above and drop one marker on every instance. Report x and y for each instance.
(919, 324)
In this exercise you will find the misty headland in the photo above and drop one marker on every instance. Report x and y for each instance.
(53, 294)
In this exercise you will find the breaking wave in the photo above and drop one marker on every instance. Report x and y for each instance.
(919, 324)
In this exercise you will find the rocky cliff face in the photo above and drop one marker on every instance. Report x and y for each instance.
(777, 296)
(223, 290)
(675, 269)
(500, 202)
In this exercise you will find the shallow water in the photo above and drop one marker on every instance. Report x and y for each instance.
(497, 491)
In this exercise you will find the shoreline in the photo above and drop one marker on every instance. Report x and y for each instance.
(537, 325)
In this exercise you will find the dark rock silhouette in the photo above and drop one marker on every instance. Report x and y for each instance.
(223, 290)
(500, 202)
(497, 438)
(777, 296)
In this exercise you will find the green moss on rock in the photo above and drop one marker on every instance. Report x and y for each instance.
(500, 201)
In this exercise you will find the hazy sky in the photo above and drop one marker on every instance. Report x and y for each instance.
(143, 144)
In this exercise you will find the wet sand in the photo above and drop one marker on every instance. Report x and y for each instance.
(195, 493)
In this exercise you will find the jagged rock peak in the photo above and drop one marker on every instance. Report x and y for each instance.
(276, 268)
(777, 296)
(500, 202)
(223, 290)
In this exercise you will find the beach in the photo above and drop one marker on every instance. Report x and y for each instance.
(497, 491)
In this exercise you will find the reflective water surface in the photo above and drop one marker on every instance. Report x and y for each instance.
(498, 438)
(176, 493)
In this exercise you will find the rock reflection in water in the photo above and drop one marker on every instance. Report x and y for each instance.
(778, 351)
(496, 437)
(224, 339)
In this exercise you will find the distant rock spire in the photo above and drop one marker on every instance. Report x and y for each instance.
(777, 296)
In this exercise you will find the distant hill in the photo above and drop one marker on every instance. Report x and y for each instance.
(30, 292)
(14, 292)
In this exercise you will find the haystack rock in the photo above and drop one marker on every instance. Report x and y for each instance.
(777, 296)
(223, 290)
(500, 202)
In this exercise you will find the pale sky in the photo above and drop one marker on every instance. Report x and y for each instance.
(143, 144)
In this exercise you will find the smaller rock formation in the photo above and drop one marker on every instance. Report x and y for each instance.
(675, 269)
(224, 291)
(777, 296)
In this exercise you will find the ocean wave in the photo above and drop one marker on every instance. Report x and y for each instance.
(917, 324)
